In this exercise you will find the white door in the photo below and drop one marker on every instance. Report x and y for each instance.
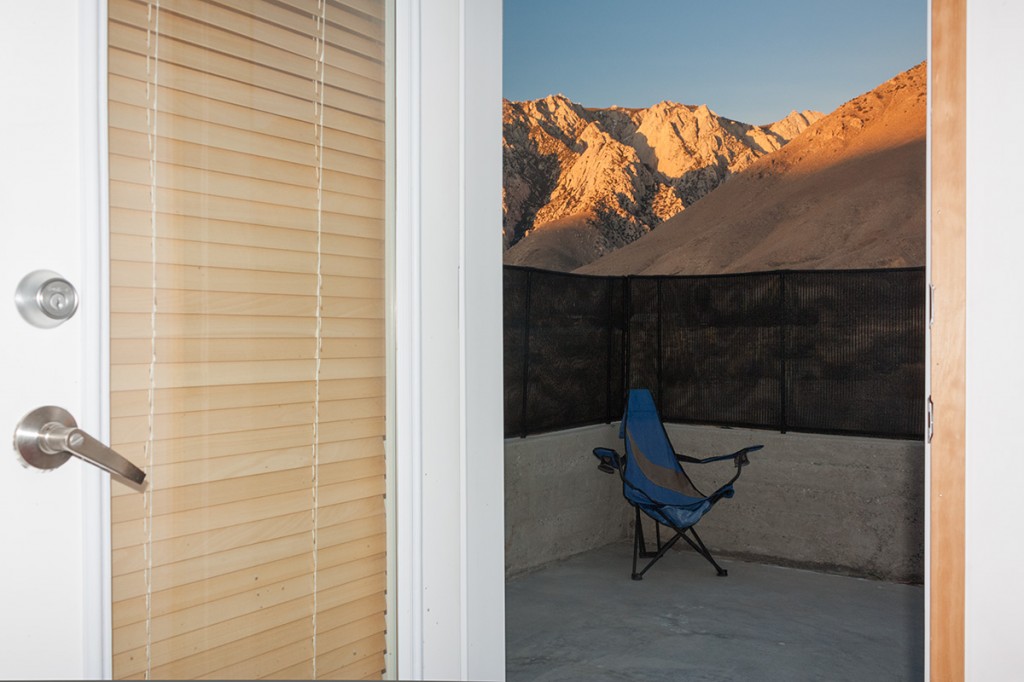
(50, 591)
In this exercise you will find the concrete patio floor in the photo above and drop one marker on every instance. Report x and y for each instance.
(584, 619)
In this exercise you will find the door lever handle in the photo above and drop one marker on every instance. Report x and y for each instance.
(48, 436)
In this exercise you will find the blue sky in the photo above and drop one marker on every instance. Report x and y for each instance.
(751, 60)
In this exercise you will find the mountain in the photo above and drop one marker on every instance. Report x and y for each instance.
(848, 192)
(580, 182)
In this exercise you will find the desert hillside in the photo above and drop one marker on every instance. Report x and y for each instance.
(580, 182)
(848, 192)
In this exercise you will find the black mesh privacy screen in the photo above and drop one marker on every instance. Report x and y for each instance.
(821, 351)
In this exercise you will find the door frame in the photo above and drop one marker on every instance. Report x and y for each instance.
(95, 349)
(462, 41)
(946, 453)
(448, 327)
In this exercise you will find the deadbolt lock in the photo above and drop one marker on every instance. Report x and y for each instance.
(45, 299)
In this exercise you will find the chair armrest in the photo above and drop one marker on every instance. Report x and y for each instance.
(740, 456)
(609, 460)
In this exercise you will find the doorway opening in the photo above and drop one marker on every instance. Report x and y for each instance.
(618, 190)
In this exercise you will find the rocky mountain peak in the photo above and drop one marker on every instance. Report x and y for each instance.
(622, 170)
(847, 192)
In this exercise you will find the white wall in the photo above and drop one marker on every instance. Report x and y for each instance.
(995, 322)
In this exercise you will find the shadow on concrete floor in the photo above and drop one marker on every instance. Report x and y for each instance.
(584, 619)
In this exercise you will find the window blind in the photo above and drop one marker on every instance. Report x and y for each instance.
(247, 189)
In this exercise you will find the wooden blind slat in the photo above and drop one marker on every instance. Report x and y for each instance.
(206, 398)
(343, 639)
(354, 610)
(196, 204)
(242, 491)
(177, 475)
(137, 223)
(292, 656)
(296, 61)
(277, 522)
(216, 254)
(180, 375)
(191, 326)
(222, 642)
(232, 186)
(197, 570)
(176, 29)
(360, 164)
(133, 145)
(213, 611)
(348, 588)
(187, 449)
(183, 228)
(369, 668)
(174, 658)
(279, 488)
(218, 303)
(187, 633)
(272, 416)
(203, 350)
(341, 659)
(362, 115)
(300, 12)
(265, 23)
(282, 439)
(134, 275)
(189, 424)
(137, 351)
(138, 609)
(370, 8)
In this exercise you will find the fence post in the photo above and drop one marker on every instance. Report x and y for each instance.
(783, 324)
(627, 340)
(661, 406)
(608, 362)
(526, 354)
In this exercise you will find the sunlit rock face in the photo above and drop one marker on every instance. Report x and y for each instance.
(602, 178)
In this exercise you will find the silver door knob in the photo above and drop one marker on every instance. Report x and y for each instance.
(45, 299)
(47, 436)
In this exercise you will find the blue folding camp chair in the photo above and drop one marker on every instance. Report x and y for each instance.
(653, 481)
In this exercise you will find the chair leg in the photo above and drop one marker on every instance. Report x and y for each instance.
(640, 548)
(637, 539)
(656, 555)
(638, 532)
(701, 549)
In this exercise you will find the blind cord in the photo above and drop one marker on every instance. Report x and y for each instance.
(320, 48)
(152, 85)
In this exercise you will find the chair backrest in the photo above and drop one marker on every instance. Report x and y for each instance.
(651, 472)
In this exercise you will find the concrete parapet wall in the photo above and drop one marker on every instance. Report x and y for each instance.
(557, 503)
(837, 503)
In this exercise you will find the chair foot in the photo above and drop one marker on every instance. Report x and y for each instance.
(722, 573)
(637, 576)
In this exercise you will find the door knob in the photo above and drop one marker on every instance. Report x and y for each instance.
(47, 436)
(45, 299)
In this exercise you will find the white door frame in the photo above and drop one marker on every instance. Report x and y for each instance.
(95, 415)
(448, 328)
